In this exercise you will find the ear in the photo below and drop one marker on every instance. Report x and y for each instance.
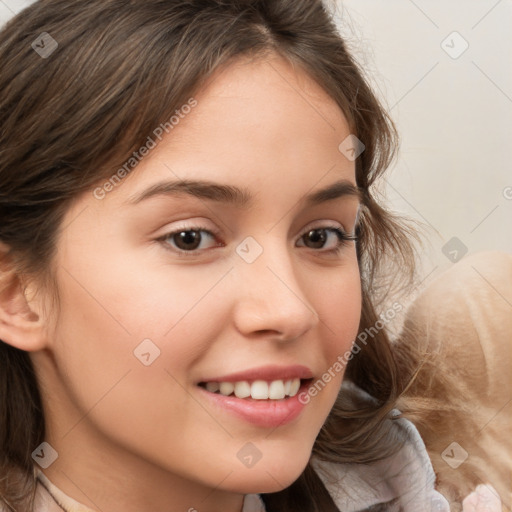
(21, 322)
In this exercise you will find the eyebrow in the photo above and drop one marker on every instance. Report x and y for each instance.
(239, 197)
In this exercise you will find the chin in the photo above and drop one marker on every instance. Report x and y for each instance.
(273, 475)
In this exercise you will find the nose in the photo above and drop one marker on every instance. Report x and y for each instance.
(270, 301)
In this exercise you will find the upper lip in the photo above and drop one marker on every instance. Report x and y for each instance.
(267, 373)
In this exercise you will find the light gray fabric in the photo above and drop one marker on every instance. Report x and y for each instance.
(406, 477)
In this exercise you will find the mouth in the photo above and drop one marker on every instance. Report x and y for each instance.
(279, 389)
(266, 397)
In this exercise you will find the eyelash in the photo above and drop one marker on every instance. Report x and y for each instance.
(343, 239)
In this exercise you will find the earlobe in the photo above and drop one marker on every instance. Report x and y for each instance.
(21, 325)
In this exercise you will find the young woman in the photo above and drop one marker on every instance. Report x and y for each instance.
(190, 245)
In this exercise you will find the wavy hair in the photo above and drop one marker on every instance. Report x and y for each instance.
(120, 69)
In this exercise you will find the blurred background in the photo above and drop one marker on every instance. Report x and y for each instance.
(443, 69)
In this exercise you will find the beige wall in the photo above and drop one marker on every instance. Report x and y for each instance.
(454, 114)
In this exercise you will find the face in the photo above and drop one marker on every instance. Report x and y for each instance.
(222, 264)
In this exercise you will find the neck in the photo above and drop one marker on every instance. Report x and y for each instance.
(108, 479)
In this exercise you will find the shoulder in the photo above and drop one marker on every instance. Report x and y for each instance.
(405, 479)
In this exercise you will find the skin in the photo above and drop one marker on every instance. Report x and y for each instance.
(142, 438)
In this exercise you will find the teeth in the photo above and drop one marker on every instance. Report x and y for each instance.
(213, 387)
(226, 388)
(276, 390)
(294, 387)
(242, 389)
(258, 390)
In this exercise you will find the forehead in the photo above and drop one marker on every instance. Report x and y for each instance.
(268, 92)
(256, 123)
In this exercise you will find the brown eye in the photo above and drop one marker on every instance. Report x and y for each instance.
(327, 238)
(315, 238)
(187, 240)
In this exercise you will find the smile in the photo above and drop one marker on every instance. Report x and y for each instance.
(257, 390)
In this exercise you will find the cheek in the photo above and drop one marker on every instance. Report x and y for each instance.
(102, 372)
(131, 295)
(338, 304)
(123, 318)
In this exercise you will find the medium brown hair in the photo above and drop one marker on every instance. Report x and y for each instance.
(120, 69)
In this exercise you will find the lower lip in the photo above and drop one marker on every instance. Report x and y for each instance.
(262, 413)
